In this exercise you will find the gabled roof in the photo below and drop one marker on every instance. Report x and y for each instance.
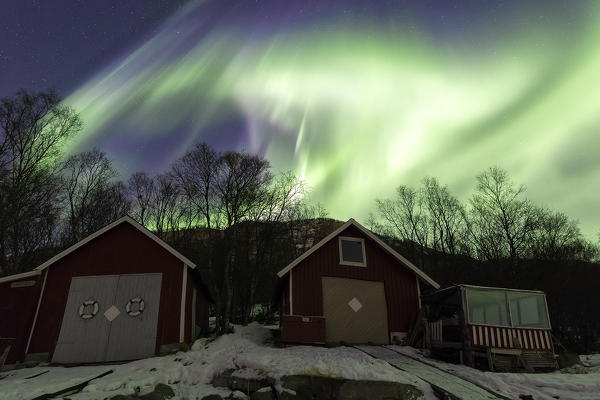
(125, 219)
(16, 277)
(422, 275)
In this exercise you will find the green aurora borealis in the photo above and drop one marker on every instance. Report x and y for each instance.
(358, 106)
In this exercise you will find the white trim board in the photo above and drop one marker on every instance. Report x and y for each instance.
(371, 236)
(182, 308)
(37, 310)
(107, 228)
(291, 296)
(16, 277)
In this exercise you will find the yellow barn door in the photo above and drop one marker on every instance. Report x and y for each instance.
(355, 311)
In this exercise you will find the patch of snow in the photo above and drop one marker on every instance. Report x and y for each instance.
(190, 373)
(23, 384)
(590, 360)
(546, 386)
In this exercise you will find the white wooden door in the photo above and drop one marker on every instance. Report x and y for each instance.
(84, 335)
(133, 335)
(97, 326)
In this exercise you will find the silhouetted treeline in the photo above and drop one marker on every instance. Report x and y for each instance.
(241, 223)
(498, 223)
(499, 238)
(232, 215)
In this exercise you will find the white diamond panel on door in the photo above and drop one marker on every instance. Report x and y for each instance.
(84, 330)
(133, 331)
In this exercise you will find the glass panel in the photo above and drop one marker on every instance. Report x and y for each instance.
(487, 307)
(528, 310)
(352, 251)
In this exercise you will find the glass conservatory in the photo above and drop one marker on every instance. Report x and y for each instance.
(508, 328)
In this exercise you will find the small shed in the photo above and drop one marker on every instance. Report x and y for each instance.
(119, 294)
(350, 287)
(489, 327)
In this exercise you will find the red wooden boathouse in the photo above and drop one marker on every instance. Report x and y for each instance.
(350, 287)
(119, 294)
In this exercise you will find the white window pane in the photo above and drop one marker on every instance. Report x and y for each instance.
(528, 310)
(487, 307)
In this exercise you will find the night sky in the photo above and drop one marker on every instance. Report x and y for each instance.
(356, 96)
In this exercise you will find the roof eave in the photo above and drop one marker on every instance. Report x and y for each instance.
(16, 277)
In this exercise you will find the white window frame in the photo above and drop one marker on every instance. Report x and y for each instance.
(352, 239)
(509, 314)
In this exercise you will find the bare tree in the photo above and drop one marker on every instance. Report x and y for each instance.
(240, 187)
(502, 220)
(305, 227)
(108, 204)
(196, 173)
(558, 238)
(166, 207)
(266, 230)
(33, 129)
(240, 208)
(87, 176)
(404, 216)
(142, 191)
(445, 217)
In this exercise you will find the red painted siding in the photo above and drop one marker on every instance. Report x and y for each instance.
(188, 308)
(122, 250)
(17, 308)
(401, 288)
(202, 306)
(296, 330)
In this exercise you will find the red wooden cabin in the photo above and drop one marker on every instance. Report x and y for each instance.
(350, 287)
(121, 293)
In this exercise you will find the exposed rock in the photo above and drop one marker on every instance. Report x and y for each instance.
(305, 387)
(237, 395)
(235, 380)
(367, 390)
(309, 387)
(212, 397)
(568, 359)
(161, 392)
(263, 394)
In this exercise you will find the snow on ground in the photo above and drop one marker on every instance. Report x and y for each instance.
(24, 384)
(591, 360)
(189, 373)
(584, 384)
